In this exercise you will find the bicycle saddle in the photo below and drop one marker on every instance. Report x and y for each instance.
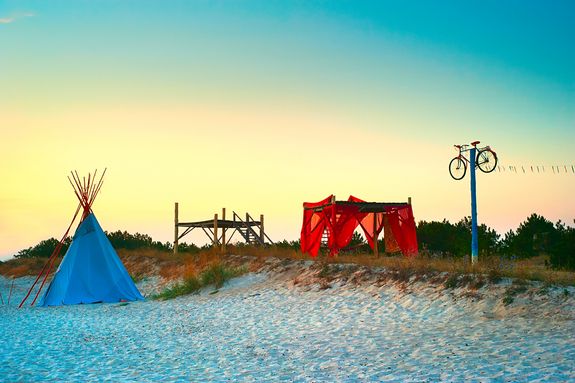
(475, 143)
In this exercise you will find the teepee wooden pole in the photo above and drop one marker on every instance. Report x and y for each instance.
(11, 289)
(48, 261)
(54, 256)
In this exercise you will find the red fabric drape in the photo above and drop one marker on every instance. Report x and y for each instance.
(402, 226)
(340, 221)
(346, 220)
(367, 222)
(391, 245)
(314, 224)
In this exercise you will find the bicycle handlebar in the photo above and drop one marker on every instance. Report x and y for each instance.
(461, 147)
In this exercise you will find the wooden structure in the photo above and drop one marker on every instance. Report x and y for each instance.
(368, 207)
(250, 230)
(331, 223)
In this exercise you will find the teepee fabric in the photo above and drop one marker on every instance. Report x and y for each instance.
(91, 271)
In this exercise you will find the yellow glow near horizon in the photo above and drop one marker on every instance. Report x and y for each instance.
(241, 158)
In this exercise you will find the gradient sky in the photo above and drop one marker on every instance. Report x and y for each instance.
(260, 105)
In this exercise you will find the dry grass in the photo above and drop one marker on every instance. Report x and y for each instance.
(16, 268)
(143, 263)
(493, 267)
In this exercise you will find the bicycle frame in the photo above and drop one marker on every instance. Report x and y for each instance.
(465, 148)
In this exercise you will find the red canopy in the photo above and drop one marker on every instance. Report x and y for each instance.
(339, 219)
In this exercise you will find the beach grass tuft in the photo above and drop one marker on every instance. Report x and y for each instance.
(216, 274)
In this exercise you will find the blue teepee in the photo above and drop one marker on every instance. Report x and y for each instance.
(91, 271)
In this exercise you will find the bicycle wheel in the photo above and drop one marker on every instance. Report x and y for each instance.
(457, 168)
(486, 160)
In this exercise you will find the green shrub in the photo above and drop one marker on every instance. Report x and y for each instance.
(562, 250)
(188, 286)
(452, 281)
(44, 249)
(218, 274)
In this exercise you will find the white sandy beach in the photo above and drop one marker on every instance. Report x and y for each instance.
(262, 327)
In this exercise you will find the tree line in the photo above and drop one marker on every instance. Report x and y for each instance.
(119, 240)
(535, 236)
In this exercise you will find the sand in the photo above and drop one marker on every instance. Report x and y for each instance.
(264, 327)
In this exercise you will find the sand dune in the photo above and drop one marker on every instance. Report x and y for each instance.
(283, 326)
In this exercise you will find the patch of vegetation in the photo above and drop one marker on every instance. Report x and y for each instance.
(518, 287)
(328, 271)
(44, 249)
(535, 236)
(452, 281)
(477, 283)
(218, 274)
(453, 240)
(188, 286)
(137, 277)
(403, 275)
(507, 300)
(494, 277)
(215, 275)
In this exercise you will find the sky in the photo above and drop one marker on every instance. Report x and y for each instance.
(259, 106)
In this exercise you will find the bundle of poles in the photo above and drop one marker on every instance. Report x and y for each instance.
(9, 294)
(86, 190)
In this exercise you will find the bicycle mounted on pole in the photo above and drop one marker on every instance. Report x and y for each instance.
(486, 160)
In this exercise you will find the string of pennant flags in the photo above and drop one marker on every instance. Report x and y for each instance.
(536, 169)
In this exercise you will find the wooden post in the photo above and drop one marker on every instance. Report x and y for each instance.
(375, 249)
(176, 228)
(248, 231)
(223, 230)
(262, 237)
(215, 230)
(409, 201)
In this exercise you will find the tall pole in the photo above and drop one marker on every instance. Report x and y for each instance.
(474, 244)
(176, 228)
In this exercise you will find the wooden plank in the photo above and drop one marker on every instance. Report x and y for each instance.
(221, 223)
(364, 207)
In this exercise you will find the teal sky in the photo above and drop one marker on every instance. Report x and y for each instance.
(332, 81)
(466, 59)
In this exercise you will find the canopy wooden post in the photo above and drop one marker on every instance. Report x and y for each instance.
(262, 236)
(176, 234)
(223, 230)
(215, 230)
(375, 247)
